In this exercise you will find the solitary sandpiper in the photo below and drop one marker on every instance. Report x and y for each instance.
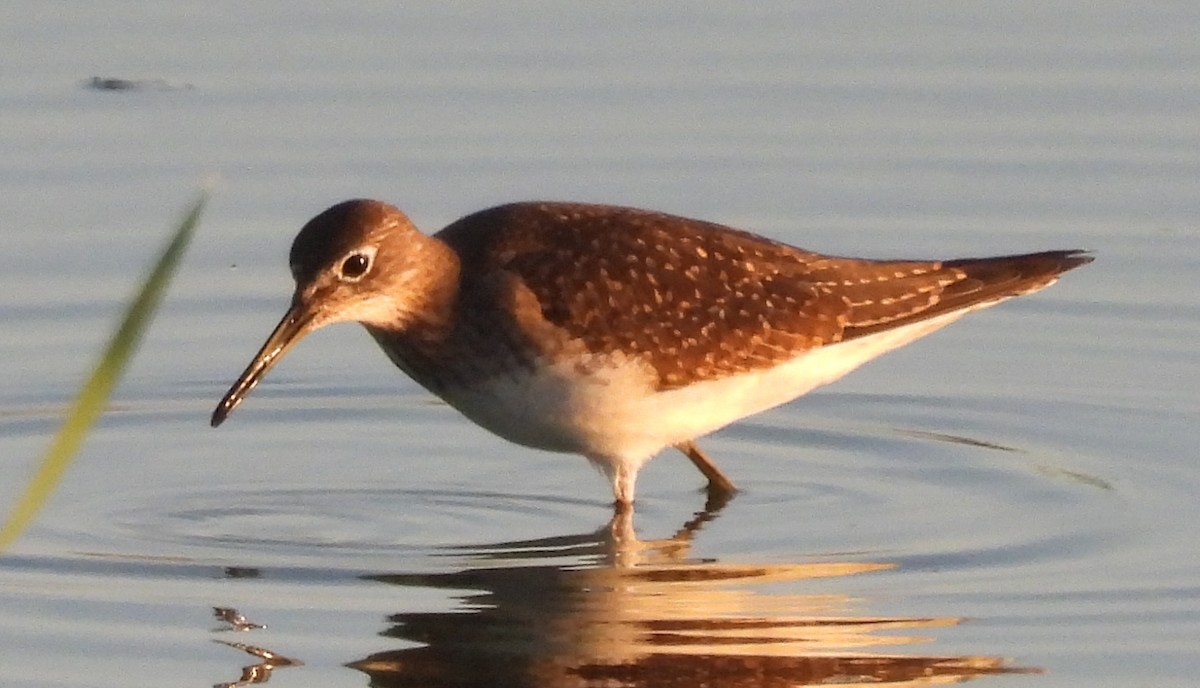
(613, 332)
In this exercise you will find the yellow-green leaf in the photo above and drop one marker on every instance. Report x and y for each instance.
(94, 394)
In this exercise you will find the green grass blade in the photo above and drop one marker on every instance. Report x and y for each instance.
(93, 396)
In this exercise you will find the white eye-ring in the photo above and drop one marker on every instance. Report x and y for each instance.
(356, 264)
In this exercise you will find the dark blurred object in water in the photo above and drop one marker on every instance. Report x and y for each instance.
(108, 83)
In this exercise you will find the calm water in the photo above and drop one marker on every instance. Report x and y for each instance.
(1010, 501)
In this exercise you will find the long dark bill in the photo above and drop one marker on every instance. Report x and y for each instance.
(291, 329)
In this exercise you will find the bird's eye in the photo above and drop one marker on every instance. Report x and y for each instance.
(356, 265)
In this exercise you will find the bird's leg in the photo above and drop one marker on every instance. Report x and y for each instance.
(720, 487)
(624, 478)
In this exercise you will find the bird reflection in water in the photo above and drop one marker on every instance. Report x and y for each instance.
(646, 613)
(268, 661)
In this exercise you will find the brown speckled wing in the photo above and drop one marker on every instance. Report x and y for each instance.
(692, 299)
(955, 285)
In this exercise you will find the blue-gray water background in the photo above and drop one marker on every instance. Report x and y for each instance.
(1013, 498)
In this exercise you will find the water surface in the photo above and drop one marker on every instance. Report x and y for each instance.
(1010, 501)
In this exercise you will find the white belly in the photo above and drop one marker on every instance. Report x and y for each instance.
(613, 415)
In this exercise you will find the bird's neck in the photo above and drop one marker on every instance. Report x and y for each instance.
(420, 339)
